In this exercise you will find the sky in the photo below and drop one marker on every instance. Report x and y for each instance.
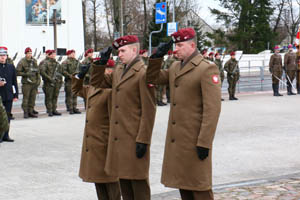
(205, 12)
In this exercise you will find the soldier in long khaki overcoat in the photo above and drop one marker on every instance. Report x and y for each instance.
(275, 68)
(195, 107)
(132, 120)
(290, 67)
(96, 132)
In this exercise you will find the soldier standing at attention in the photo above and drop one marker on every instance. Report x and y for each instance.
(87, 60)
(211, 56)
(194, 113)
(298, 70)
(275, 68)
(69, 67)
(8, 87)
(52, 75)
(204, 53)
(96, 131)
(29, 70)
(132, 120)
(290, 67)
(233, 75)
(219, 64)
(4, 126)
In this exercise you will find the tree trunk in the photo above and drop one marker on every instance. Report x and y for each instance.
(145, 21)
(95, 24)
(84, 22)
(107, 20)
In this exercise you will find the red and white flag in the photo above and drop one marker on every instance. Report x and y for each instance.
(297, 41)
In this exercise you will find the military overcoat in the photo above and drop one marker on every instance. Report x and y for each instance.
(194, 113)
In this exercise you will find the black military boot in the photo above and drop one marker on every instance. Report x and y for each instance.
(6, 138)
(35, 112)
(298, 90)
(160, 103)
(288, 88)
(76, 111)
(26, 115)
(71, 112)
(32, 115)
(11, 117)
(234, 98)
(50, 114)
(56, 113)
(277, 94)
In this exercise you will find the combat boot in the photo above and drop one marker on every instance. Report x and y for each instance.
(71, 112)
(160, 103)
(35, 112)
(26, 116)
(56, 113)
(76, 111)
(298, 90)
(277, 94)
(234, 98)
(50, 114)
(32, 115)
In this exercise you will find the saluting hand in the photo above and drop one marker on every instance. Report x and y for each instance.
(202, 152)
(104, 56)
(83, 69)
(141, 149)
(162, 49)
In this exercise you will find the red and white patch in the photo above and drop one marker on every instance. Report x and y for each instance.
(150, 85)
(215, 79)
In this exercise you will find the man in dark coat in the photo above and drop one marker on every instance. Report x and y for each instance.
(8, 86)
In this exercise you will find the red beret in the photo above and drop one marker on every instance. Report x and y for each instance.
(50, 52)
(276, 47)
(170, 52)
(217, 54)
(111, 63)
(211, 54)
(143, 51)
(3, 50)
(183, 35)
(122, 41)
(88, 51)
(70, 51)
(290, 46)
(27, 50)
(203, 51)
(232, 53)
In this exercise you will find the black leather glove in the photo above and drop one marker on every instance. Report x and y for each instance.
(141, 149)
(270, 70)
(104, 56)
(162, 49)
(202, 152)
(83, 69)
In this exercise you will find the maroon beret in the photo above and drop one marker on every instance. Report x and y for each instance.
(143, 51)
(232, 53)
(51, 52)
(27, 50)
(217, 54)
(183, 35)
(170, 52)
(88, 51)
(70, 52)
(111, 63)
(211, 54)
(122, 41)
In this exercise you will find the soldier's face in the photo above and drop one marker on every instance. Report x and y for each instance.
(28, 55)
(53, 55)
(3, 59)
(184, 50)
(127, 53)
(72, 55)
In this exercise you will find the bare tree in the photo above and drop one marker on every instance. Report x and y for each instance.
(84, 22)
(107, 14)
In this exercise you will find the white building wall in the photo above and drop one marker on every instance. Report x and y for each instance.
(16, 35)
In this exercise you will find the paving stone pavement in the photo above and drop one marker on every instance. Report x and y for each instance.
(283, 188)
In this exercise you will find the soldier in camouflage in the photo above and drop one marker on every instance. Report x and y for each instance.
(29, 70)
(275, 68)
(4, 126)
(51, 72)
(87, 60)
(290, 67)
(233, 75)
(69, 67)
(219, 63)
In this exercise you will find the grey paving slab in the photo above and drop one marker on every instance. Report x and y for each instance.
(257, 138)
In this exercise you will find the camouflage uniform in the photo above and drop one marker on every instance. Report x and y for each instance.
(87, 61)
(219, 63)
(69, 67)
(275, 67)
(290, 67)
(233, 75)
(51, 72)
(4, 125)
(10, 61)
(29, 70)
